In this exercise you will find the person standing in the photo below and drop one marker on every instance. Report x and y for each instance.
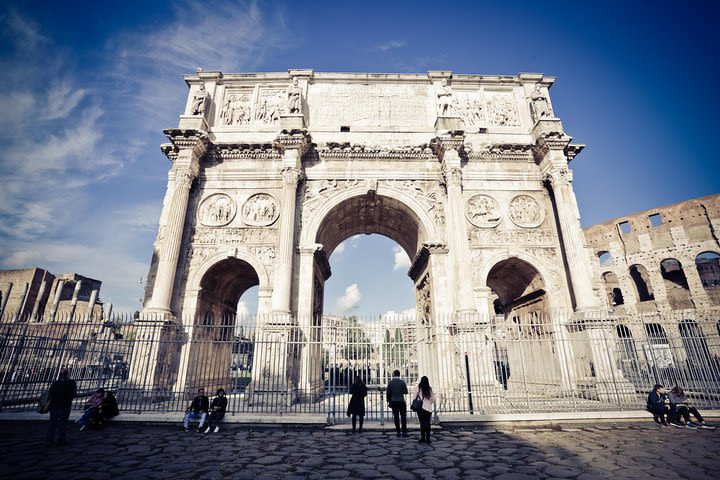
(424, 413)
(217, 411)
(197, 409)
(396, 391)
(356, 407)
(62, 392)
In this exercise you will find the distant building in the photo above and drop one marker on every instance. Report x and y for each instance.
(35, 293)
(660, 260)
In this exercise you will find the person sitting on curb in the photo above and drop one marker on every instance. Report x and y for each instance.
(197, 409)
(659, 405)
(684, 408)
(91, 407)
(217, 411)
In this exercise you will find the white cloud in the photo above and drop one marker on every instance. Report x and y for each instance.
(402, 261)
(242, 310)
(391, 45)
(393, 317)
(339, 249)
(350, 300)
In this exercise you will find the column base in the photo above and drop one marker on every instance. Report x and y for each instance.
(445, 124)
(292, 121)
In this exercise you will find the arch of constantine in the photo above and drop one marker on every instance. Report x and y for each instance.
(467, 173)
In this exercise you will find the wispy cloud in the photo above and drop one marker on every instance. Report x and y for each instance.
(401, 259)
(391, 45)
(350, 300)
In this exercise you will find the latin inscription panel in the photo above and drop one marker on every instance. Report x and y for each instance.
(373, 105)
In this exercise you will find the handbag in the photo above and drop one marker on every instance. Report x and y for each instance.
(416, 404)
(44, 403)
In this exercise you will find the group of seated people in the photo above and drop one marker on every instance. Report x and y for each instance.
(673, 408)
(100, 407)
(202, 409)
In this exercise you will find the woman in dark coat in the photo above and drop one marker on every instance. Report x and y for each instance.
(356, 407)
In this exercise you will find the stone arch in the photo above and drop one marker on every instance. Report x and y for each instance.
(641, 279)
(708, 267)
(426, 227)
(612, 287)
(676, 285)
(549, 276)
(517, 278)
(218, 283)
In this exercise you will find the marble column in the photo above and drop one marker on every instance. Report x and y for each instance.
(5, 297)
(187, 149)
(573, 242)
(284, 262)
(463, 296)
(38, 301)
(292, 145)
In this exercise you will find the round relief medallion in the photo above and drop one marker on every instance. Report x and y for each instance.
(483, 211)
(217, 210)
(260, 209)
(526, 212)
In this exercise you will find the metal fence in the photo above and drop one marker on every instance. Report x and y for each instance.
(535, 363)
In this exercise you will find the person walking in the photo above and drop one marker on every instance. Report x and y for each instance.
(356, 407)
(217, 411)
(424, 413)
(396, 391)
(62, 391)
(197, 409)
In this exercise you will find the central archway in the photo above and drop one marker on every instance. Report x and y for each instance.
(359, 212)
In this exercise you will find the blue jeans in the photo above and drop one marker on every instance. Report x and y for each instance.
(58, 420)
(83, 420)
(194, 416)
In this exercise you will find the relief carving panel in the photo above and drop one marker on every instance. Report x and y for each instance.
(501, 109)
(217, 210)
(525, 211)
(483, 211)
(260, 209)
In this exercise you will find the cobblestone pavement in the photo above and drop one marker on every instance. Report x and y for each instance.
(507, 452)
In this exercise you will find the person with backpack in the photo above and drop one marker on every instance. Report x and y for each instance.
(424, 413)
(62, 391)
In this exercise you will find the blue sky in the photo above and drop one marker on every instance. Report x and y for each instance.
(87, 90)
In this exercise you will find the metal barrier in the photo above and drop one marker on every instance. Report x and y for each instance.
(518, 364)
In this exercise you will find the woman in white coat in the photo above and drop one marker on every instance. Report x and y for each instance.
(425, 393)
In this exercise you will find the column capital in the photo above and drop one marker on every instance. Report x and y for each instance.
(558, 177)
(184, 176)
(291, 176)
(453, 176)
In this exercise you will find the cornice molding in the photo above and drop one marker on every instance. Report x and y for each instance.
(346, 151)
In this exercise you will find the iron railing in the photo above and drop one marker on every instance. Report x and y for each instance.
(535, 363)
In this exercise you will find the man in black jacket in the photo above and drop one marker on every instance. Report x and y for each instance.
(62, 392)
(396, 391)
(197, 409)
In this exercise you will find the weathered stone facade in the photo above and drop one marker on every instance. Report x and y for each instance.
(271, 172)
(37, 294)
(660, 260)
